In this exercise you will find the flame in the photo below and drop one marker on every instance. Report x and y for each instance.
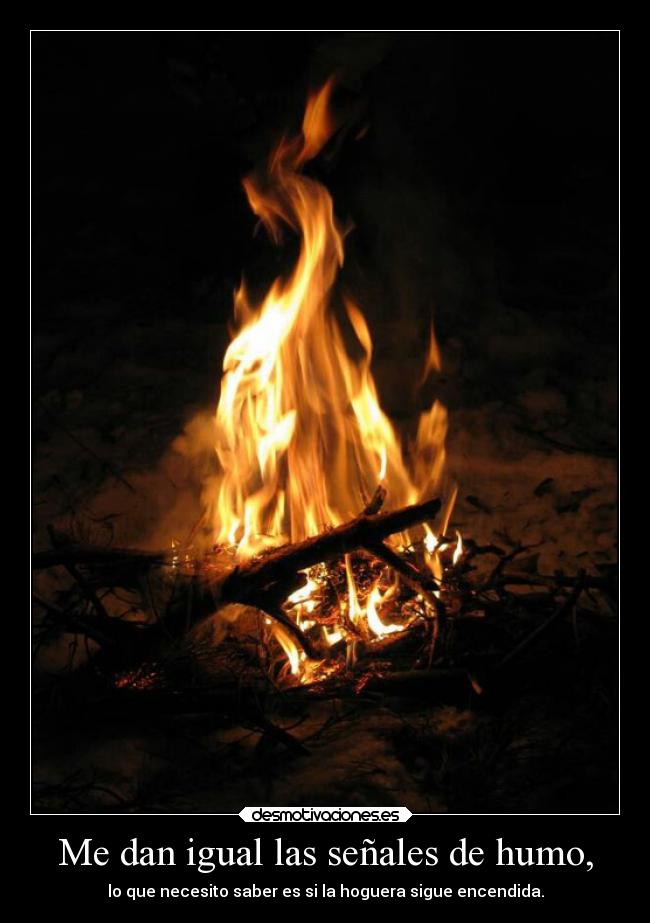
(290, 648)
(430, 540)
(332, 637)
(458, 550)
(303, 603)
(433, 359)
(301, 435)
(432, 553)
(368, 615)
(375, 601)
(354, 610)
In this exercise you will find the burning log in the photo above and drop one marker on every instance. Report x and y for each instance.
(278, 567)
(264, 582)
(399, 643)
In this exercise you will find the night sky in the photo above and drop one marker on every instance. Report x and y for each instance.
(501, 147)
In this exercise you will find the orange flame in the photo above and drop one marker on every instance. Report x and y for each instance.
(433, 359)
(301, 435)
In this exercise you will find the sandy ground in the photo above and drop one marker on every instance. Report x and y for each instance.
(532, 446)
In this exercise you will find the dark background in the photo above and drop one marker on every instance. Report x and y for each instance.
(489, 163)
(480, 173)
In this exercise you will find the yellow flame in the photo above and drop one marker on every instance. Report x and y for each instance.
(301, 435)
(289, 647)
(432, 556)
(368, 614)
(458, 550)
(433, 359)
(332, 636)
(430, 540)
(375, 624)
(303, 596)
(354, 609)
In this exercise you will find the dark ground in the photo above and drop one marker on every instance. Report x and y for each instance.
(484, 193)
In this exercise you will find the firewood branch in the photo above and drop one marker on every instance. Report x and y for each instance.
(263, 582)
(249, 580)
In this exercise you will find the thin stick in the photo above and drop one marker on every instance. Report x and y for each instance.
(559, 613)
(73, 623)
(559, 580)
(77, 553)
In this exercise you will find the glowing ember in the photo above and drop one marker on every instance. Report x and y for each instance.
(140, 679)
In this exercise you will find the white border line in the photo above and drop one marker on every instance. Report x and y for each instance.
(137, 814)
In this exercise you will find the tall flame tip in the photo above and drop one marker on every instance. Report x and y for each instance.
(301, 433)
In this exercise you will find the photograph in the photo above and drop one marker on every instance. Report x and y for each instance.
(325, 421)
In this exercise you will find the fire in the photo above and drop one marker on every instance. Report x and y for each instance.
(290, 648)
(302, 439)
(361, 615)
(375, 601)
(458, 550)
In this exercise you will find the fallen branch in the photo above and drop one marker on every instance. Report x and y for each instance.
(96, 556)
(446, 686)
(247, 582)
(557, 580)
(228, 704)
(263, 583)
